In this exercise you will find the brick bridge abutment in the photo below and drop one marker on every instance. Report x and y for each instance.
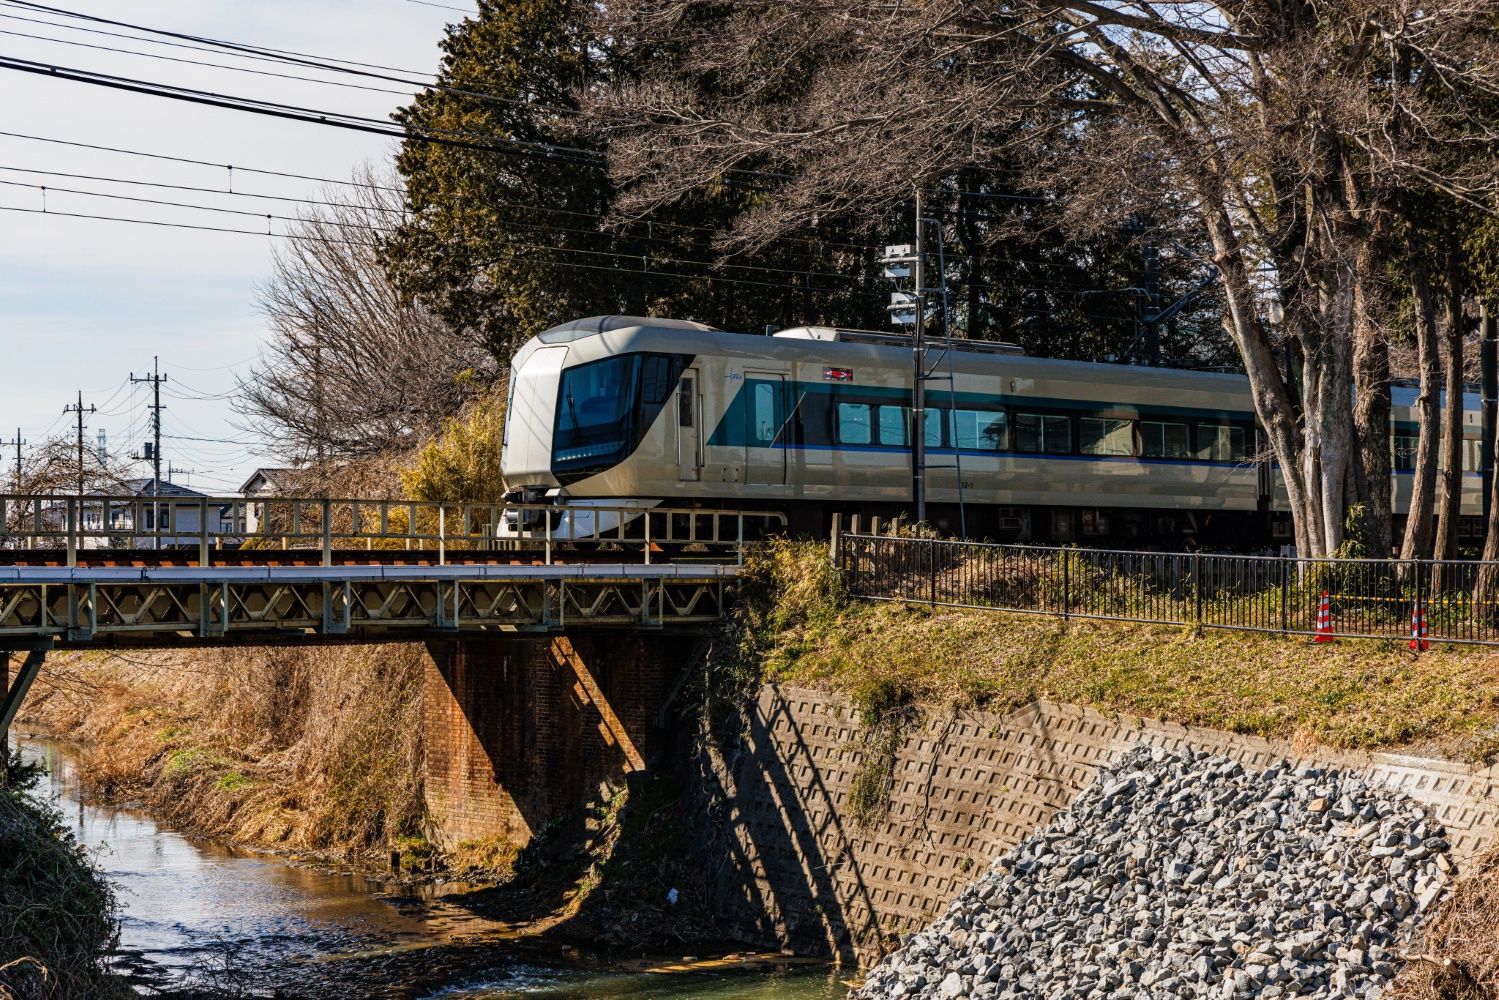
(524, 729)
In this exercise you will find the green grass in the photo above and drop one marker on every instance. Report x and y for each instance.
(1354, 695)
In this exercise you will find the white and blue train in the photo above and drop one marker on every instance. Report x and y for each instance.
(645, 412)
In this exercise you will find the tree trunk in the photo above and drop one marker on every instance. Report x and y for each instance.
(1269, 390)
(1417, 544)
(1449, 507)
(1371, 408)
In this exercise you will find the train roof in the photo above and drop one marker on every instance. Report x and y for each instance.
(837, 345)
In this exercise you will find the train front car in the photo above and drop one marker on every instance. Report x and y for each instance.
(584, 397)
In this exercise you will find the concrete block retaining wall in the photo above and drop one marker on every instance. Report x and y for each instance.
(793, 868)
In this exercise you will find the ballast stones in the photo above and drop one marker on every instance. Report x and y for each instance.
(1182, 875)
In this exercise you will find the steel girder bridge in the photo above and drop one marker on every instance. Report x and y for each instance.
(169, 572)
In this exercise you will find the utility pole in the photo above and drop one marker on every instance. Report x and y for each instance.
(153, 452)
(1152, 304)
(1488, 363)
(918, 384)
(17, 444)
(79, 409)
(907, 309)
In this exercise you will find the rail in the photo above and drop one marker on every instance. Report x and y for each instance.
(1365, 598)
(209, 525)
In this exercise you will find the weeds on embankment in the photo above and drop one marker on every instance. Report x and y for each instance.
(56, 911)
(311, 749)
(1351, 695)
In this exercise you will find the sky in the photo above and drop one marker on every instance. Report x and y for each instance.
(84, 304)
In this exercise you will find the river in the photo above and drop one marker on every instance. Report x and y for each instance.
(197, 915)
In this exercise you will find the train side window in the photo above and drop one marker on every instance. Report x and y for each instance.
(1037, 433)
(980, 430)
(1106, 436)
(892, 425)
(1221, 443)
(933, 435)
(853, 423)
(1405, 452)
(765, 421)
(655, 379)
(1161, 440)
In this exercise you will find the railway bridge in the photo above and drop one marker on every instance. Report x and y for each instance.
(553, 657)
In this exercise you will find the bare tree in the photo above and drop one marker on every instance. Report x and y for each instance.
(353, 369)
(51, 469)
(1291, 131)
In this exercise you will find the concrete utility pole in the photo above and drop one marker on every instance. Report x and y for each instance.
(918, 385)
(17, 444)
(1488, 362)
(155, 378)
(79, 409)
(1152, 305)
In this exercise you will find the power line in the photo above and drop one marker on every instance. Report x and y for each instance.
(201, 62)
(253, 49)
(320, 239)
(443, 6)
(573, 156)
(101, 33)
(287, 56)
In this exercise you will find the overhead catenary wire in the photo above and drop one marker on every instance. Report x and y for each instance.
(710, 265)
(294, 58)
(394, 189)
(204, 63)
(515, 147)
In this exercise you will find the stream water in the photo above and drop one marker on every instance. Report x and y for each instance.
(197, 914)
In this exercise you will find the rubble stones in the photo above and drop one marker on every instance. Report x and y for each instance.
(1181, 875)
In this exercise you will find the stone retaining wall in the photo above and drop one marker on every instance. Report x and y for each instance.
(792, 867)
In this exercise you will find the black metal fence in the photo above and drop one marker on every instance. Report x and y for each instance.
(1365, 598)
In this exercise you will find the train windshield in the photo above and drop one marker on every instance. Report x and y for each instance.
(594, 407)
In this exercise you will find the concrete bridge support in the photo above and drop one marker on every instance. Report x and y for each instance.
(524, 729)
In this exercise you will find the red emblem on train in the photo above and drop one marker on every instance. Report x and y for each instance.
(838, 374)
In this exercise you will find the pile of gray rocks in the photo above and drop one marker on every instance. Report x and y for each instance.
(1179, 875)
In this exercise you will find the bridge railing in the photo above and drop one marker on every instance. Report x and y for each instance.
(1364, 598)
(209, 525)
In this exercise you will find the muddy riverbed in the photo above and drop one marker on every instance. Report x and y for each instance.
(201, 918)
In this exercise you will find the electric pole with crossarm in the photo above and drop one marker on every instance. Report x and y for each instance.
(17, 444)
(153, 450)
(81, 411)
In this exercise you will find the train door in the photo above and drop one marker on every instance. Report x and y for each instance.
(764, 415)
(689, 436)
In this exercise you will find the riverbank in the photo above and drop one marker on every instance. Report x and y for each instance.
(57, 914)
(317, 754)
(311, 751)
(203, 920)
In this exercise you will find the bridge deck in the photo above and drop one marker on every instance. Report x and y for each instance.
(165, 605)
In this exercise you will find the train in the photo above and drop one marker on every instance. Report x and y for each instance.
(641, 412)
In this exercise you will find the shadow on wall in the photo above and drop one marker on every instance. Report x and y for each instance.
(791, 867)
(524, 730)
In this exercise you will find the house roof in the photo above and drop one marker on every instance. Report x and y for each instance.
(142, 488)
(270, 476)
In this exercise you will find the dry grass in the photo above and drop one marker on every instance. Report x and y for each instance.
(1362, 695)
(314, 749)
(1457, 956)
(56, 911)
